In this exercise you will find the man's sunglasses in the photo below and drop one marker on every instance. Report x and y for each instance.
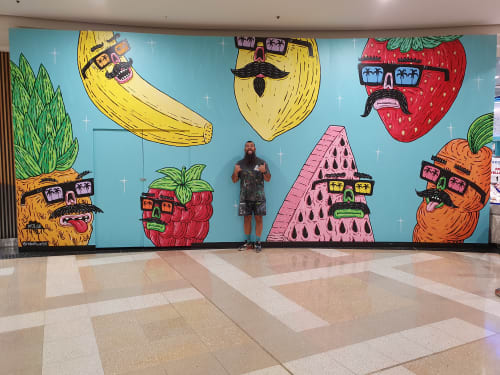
(403, 75)
(277, 46)
(363, 187)
(104, 58)
(57, 193)
(165, 204)
(455, 183)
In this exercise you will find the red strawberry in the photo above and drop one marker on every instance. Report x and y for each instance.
(191, 200)
(441, 62)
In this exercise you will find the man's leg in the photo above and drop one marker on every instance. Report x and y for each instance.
(247, 228)
(258, 232)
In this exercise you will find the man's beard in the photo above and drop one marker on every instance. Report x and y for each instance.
(250, 158)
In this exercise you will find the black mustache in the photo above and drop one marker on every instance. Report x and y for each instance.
(386, 93)
(348, 205)
(436, 195)
(79, 208)
(118, 68)
(153, 220)
(255, 68)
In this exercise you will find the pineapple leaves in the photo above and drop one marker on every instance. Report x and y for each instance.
(27, 72)
(48, 156)
(43, 134)
(43, 85)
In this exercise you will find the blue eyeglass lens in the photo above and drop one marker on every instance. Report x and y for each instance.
(275, 44)
(372, 74)
(406, 75)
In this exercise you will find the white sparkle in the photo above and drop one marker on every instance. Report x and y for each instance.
(401, 221)
(124, 181)
(354, 43)
(235, 205)
(54, 53)
(86, 122)
(207, 98)
(478, 80)
(451, 130)
(280, 154)
(378, 153)
(339, 99)
(152, 45)
(222, 44)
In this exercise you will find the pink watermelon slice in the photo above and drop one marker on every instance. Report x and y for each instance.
(327, 200)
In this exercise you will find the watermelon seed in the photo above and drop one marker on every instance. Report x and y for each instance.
(301, 218)
(294, 233)
(342, 142)
(320, 196)
(309, 201)
(345, 163)
(316, 230)
(367, 228)
(335, 165)
(342, 228)
(304, 232)
(345, 152)
(334, 152)
(321, 213)
(354, 227)
(329, 201)
(311, 215)
(326, 164)
(353, 166)
(320, 175)
(329, 226)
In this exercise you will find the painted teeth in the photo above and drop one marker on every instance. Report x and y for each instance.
(83, 218)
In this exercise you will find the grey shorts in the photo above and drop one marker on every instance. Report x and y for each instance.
(252, 207)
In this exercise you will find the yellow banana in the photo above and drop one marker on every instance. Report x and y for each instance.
(285, 102)
(126, 98)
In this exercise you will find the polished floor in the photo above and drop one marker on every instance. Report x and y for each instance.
(283, 311)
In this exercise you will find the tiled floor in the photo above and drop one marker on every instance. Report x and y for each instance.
(283, 311)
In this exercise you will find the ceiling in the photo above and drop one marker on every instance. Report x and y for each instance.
(313, 15)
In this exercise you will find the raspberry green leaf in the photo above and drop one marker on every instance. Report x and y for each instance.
(165, 183)
(173, 173)
(183, 194)
(198, 186)
(194, 173)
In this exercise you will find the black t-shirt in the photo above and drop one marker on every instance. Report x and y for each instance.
(252, 180)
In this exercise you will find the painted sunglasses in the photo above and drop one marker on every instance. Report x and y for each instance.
(403, 75)
(57, 193)
(448, 180)
(104, 58)
(277, 46)
(165, 204)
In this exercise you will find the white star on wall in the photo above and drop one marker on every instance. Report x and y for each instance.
(124, 181)
(54, 53)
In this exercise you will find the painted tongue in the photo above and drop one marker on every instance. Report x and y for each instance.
(431, 206)
(79, 225)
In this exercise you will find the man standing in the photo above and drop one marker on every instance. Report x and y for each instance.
(252, 172)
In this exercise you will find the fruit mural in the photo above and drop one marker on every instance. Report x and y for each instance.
(411, 82)
(458, 186)
(276, 82)
(125, 97)
(327, 201)
(177, 207)
(151, 126)
(53, 200)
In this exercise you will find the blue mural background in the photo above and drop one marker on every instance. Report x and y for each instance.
(196, 71)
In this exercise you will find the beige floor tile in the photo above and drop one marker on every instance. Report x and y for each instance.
(155, 314)
(201, 313)
(160, 329)
(21, 350)
(155, 370)
(204, 364)
(477, 358)
(217, 338)
(244, 358)
(342, 298)
(129, 359)
(177, 347)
